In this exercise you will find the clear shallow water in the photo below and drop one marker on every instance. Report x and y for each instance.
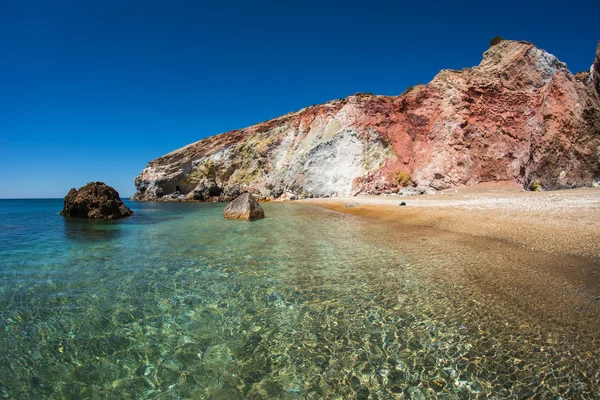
(177, 302)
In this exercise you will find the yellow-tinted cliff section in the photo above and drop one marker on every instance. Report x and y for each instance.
(519, 116)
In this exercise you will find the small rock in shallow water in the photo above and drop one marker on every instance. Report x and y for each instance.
(403, 203)
(244, 206)
(350, 205)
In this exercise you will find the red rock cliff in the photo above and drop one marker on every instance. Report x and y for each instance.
(519, 115)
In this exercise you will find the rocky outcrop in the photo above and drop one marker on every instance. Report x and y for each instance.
(595, 71)
(244, 206)
(95, 200)
(519, 115)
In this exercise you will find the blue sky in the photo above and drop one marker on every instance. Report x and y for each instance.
(93, 90)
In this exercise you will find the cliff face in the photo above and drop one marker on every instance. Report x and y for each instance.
(595, 71)
(520, 115)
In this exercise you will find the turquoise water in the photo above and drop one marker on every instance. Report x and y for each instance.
(176, 302)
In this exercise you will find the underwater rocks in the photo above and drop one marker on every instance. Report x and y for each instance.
(520, 116)
(244, 206)
(96, 200)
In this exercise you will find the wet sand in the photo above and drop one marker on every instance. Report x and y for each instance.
(534, 256)
(558, 222)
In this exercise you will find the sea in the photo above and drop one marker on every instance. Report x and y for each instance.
(177, 302)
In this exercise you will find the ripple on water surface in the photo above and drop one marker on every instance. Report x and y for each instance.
(177, 302)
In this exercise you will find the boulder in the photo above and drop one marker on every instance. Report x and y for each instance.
(96, 200)
(244, 206)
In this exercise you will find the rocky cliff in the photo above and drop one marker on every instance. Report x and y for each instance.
(519, 115)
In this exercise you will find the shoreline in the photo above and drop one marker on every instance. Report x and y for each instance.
(565, 222)
(535, 255)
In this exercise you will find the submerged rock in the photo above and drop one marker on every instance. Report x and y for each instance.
(96, 200)
(244, 206)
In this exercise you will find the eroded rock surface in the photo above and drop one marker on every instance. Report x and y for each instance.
(595, 71)
(244, 206)
(96, 200)
(519, 115)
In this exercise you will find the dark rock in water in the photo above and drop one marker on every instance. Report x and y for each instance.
(244, 206)
(95, 200)
(403, 203)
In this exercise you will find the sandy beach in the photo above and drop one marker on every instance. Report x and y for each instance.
(520, 256)
(557, 222)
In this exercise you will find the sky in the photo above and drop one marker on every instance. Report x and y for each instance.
(94, 90)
